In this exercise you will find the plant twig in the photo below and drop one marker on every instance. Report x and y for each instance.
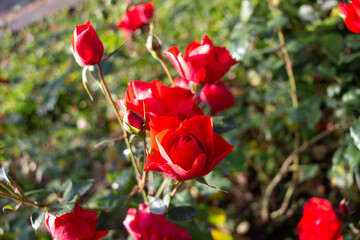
(126, 134)
(22, 200)
(165, 67)
(284, 169)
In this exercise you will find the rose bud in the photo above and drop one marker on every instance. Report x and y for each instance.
(203, 62)
(217, 97)
(137, 17)
(186, 149)
(352, 15)
(134, 123)
(343, 207)
(153, 45)
(86, 45)
(79, 224)
(146, 225)
(319, 221)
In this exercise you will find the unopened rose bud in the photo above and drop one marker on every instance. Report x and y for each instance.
(343, 207)
(133, 122)
(153, 45)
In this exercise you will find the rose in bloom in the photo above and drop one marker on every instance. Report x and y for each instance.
(159, 100)
(216, 96)
(185, 149)
(352, 15)
(145, 225)
(319, 221)
(79, 224)
(137, 17)
(86, 45)
(203, 62)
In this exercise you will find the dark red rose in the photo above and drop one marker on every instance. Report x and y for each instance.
(217, 97)
(79, 224)
(185, 149)
(137, 17)
(352, 15)
(86, 45)
(203, 62)
(319, 221)
(145, 225)
(159, 100)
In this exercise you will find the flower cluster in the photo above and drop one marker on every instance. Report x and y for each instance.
(183, 143)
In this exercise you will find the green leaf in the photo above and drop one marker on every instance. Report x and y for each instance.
(353, 41)
(76, 187)
(278, 21)
(204, 182)
(37, 218)
(4, 172)
(113, 217)
(308, 171)
(156, 206)
(182, 213)
(61, 209)
(85, 76)
(348, 58)
(223, 124)
(357, 175)
(355, 132)
(195, 229)
(10, 207)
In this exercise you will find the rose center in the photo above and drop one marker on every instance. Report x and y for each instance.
(184, 152)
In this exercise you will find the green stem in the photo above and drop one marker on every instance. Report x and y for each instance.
(165, 67)
(128, 145)
(22, 200)
(10, 190)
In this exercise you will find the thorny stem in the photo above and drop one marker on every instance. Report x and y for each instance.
(9, 189)
(294, 99)
(162, 187)
(284, 168)
(22, 200)
(128, 145)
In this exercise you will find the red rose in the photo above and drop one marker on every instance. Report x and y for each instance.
(217, 97)
(319, 221)
(86, 45)
(352, 15)
(185, 149)
(79, 224)
(145, 225)
(137, 17)
(159, 100)
(203, 62)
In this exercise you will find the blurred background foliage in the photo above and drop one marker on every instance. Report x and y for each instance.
(51, 133)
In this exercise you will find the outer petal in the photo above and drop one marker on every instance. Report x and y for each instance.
(352, 20)
(131, 224)
(177, 60)
(221, 149)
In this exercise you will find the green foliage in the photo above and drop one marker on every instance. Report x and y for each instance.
(52, 132)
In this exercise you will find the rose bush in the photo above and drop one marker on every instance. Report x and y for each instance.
(185, 149)
(319, 221)
(86, 45)
(158, 100)
(79, 224)
(203, 62)
(145, 225)
(137, 17)
(352, 15)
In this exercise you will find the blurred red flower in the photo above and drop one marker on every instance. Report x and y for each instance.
(145, 225)
(137, 17)
(319, 221)
(79, 224)
(352, 15)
